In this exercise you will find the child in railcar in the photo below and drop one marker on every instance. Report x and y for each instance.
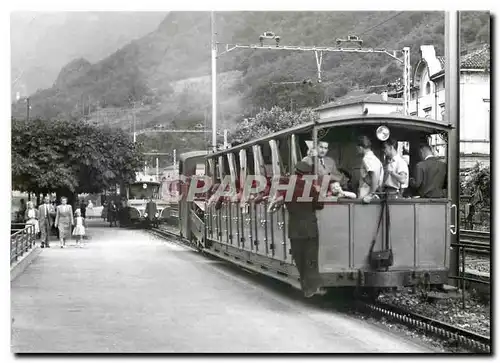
(336, 191)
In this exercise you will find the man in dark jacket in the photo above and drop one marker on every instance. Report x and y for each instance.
(83, 208)
(303, 233)
(430, 175)
(151, 212)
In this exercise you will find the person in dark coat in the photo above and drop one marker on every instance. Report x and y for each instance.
(112, 213)
(83, 208)
(430, 175)
(303, 232)
(151, 211)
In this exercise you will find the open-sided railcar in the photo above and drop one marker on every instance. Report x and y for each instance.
(247, 234)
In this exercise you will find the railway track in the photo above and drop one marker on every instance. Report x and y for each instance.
(476, 342)
(477, 242)
(465, 338)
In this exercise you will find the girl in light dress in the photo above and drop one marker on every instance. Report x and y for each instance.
(79, 230)
(32, 217)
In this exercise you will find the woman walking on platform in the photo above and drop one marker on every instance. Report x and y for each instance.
(64, 220)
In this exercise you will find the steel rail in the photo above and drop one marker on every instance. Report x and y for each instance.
(475, 341)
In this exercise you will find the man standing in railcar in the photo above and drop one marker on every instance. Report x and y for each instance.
(430, 175)
(395, 170)
(372, 171)
(303, 233)
(326, 164)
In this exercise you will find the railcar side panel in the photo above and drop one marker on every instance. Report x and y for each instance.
(365, 222)
(432, 233)
(402, 234)
(333, 222)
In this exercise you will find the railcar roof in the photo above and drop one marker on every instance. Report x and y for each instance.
(291, 130)
(417, 123)
(389, 119)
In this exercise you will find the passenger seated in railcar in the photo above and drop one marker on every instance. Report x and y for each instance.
(336, 191)
(430, 179)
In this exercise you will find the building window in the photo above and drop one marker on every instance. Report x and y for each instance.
(428, 88)
(443, 111)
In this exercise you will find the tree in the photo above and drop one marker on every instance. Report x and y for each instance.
(70, 157)
(476, 182)
(269, 121)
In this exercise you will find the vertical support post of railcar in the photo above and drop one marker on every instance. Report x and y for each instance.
(452, 78)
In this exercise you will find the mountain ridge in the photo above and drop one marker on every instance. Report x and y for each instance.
(142, 74)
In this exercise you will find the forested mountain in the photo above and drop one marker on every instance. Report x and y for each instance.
(166, 74)
(43, 42)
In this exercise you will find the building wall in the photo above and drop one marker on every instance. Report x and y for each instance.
(474, 109)
(475, 113)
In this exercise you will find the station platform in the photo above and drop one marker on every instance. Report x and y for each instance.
(127, 291)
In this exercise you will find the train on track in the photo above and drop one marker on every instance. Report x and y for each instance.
(138, 194)
(385, 243)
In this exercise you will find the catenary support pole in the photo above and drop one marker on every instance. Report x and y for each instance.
(452, 114)
(214, 84)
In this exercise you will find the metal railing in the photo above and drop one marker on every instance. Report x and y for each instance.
(22, 239)
(474, 242)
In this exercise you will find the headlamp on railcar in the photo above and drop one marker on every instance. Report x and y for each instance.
(383, 133)
(144, 186)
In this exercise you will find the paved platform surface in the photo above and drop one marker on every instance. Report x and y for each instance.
(128, 291)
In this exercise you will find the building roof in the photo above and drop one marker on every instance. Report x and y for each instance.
(366, 98)
(477, 60)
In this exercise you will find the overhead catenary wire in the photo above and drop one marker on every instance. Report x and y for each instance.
(381, 23)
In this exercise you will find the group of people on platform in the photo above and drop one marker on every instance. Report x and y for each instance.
(110, 212)
(49, 215)
(390, 179)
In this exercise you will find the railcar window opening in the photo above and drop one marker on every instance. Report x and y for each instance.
(250, 161)
(258, 160)
(210, 168)
(136, 191)
(267, 159)
(295, 153)
(284, 153)
(216, 176)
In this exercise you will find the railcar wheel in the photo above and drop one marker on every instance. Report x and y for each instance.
(368, 293)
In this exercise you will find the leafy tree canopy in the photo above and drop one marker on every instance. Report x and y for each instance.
(476, 182)
(269, 121)
(77, 157)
